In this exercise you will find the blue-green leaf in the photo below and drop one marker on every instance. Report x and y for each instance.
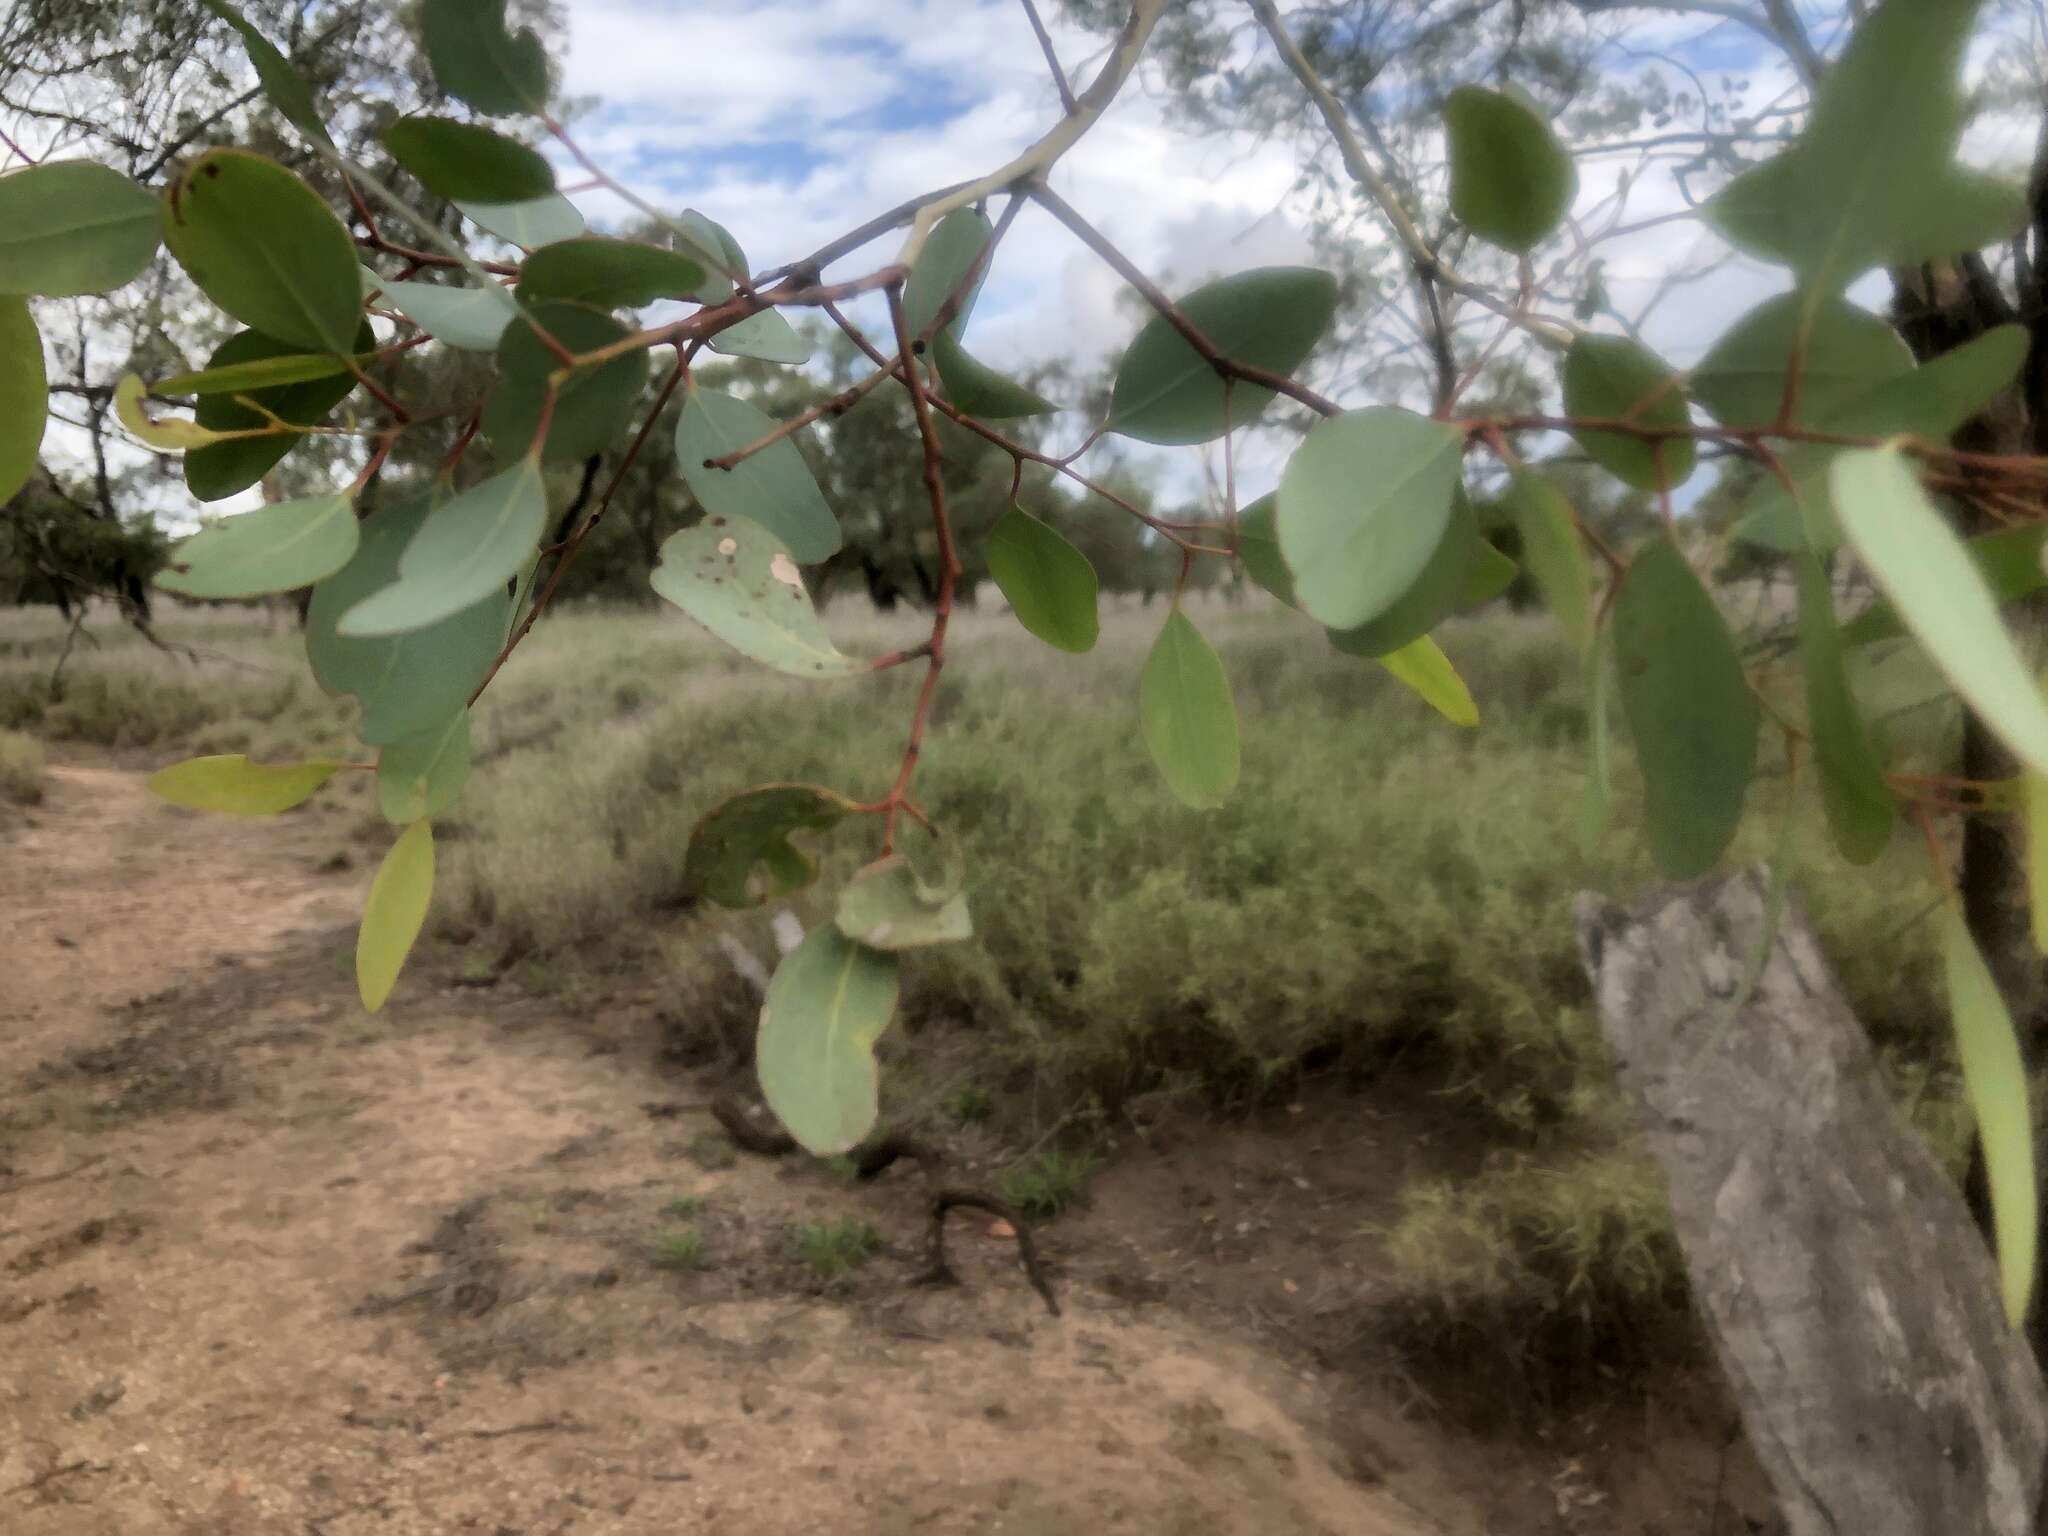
(468, 548)
(828, 1003)
(1189, 719)
(774, 487)
(272, 549)
(739, 581)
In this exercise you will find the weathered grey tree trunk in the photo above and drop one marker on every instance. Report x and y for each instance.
(1852, 1304)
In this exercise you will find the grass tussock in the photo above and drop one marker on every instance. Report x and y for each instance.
(21, 769)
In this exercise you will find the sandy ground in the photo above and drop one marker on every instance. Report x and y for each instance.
(270, 1265)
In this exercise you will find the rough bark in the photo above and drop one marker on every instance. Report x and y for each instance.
(1852, 1305)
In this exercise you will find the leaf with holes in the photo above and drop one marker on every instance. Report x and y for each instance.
(24, 396)
(608, 273)
(1048, 583)
(69, 227)
(478, 61)
(1271, 318)
(828, 1003)
(980, 391)
(235, 785)
(468, 161)
(1619, 379)
(468, 548)
(395, 913)
(742, 853)
(272, 549)
(773, 488)
(1189, 719)
(421, 775)
(1924, 567)
(1859, 807)
(1363, 505)
(410, 683)
(1512, 182)
(264, 247)
(1688, 707)
(1995, 1082)
(595, 403)
(889, 906)
(738, 580)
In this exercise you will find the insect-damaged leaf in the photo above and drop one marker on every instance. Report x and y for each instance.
(889, 906)
(773, 488)
(738, 580)
(239, 787)
(828, 1003)
(1048, 583)
(1688, 706)
(395, 913)
(742, 854)
(1189, 718)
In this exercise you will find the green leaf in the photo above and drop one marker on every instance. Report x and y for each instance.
(712, 243)
(978, 389)
(469, 547)
(419, 776)
(263, 246)
(468, 319)
(2009, 560)
(534, 224)
(395, 913)
(950, 252)
(1258, 546)
(1489, 575)
(594, 405)
(407, 684)
(1048, 583)
(1512, 182)
(738, 580)
(264, 373)
(608, 273)
(773, 488)
(239, 787)
(1598, 801)
(1431, 598)
(1920, 563)
(1271, 318)
(1554, 554)
(272, 549)
(1846, 352)
(1688, 706)
(1872, 180)
(1422, 666)
(479, 62)
(24, 395)
(281, 83)
(1860, 808)
(888, 906)
(829, 1002)
(69, 227)
(2034, 802)
(1364, 503)
(1995, 1082)
(741, 853)
(169, 434)
(765, 335)
(225, 468)
(1190, 721)
(1613, 377)
(468, 161)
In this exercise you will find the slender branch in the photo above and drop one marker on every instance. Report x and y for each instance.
(1052, 59)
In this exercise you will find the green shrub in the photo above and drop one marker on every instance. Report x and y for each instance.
(833, 1250)
(1046, 1183)
(681, 1247)
(21, 768)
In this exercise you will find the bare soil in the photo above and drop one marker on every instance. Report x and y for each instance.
(270, 1265)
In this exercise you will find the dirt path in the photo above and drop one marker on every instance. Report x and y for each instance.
(267, 1265)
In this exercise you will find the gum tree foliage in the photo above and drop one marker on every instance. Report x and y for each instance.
(1374, 533)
